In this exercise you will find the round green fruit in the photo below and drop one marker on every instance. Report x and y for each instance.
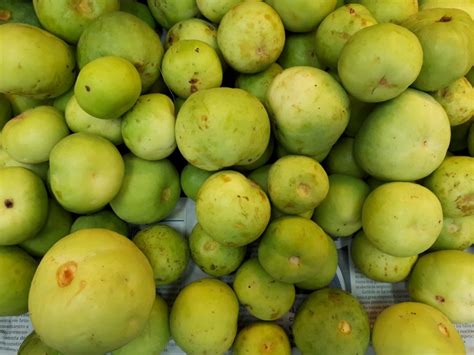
(169, 12)
(103, 219)
(299, 50)
(456, 233)
(262, 338)
(33, 345)
(394, 11)
(341, 159)
(191, 180)
(99, 284)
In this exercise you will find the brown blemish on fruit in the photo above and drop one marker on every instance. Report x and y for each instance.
(196, 49)
(303, 189)
(226, 178)
(267, 348)
(83, 6)
(8, 203)
(351, 10)
(88, 88)
(165, 195)
(445, 19)
(439, 298)
(65, 273)
(443, 329)
(5, 15)
(465, 204)
(344, 327)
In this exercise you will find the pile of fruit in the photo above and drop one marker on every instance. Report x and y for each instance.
(290, 123)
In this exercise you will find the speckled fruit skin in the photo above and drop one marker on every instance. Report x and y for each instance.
(456, 233)
(99, 284)
(432, 282)
(232, 209)
(415, 328)
(203, 318)
(221, 127)
(339, 319)
(262, 338)
(43, 71)
(251, 36)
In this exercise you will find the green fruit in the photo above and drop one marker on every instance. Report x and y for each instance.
(264, 158)
(299, 50)
(166, 250)
(103, 219)
(456, 233)
(458, 101)
(57, 225)
(232, 209)
(68, 19)
(340, 213)
(414, 328)
(377, 265)
(79, 120)
(5, 110)
(169, 12)
(293, 249)
(61, 102)
(192, 29)
(21, 104)
(341, 322)
(453, 184)
(459, 137)
(17, 269)
(404, 139)
(302, 15)
(191, 180)
(124, 35)
(214, 10)
(391, 61)
(394, 11)
(445, 280)
(341, 159)
(24, 205)
(402, 218)
(222, 127)
(447, 39)
(262, 295)
(257, 84)
(297, 184)
(39, 169)
(138, 9)
(359, 112)
(148, 128)
(322, 277)
(107, 87)
(306, 119)
(18, 11)
(203, 318)
(260, 177)
(336, 29)
(154, 337)
(212, 257)
(189, 66)
(30, 137)
(470, 141)
(149, 192)
(33, 345)
(99, 284)
(45, 70)
(465, 5)
(262, 338)
(86, 172)
(251, 36)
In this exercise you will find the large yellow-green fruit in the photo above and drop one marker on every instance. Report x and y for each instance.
(262, 338)
(203, 318)
(92, 292)
(43, 70)
(412, 328)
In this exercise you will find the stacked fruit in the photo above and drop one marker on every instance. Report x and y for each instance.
(290, 124)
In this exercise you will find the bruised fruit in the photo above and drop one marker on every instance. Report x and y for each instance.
(262, 338)
(339, 320)
(99, 284)
(402, 218)
(17, 269)
(456, 233)
(166, 250)
(203, 318)
(420, 329)
(458, 101)
(232, 209)
(262, 295)
(86, 172)
(23, 205)
(149, 192)
(45, 70)
(445, 280)
(221, 127)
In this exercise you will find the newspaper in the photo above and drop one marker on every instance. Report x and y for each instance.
(374, 296)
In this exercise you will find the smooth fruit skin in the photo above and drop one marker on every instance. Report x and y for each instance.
(432, 282)
(203, 318)
(33, 345)
(412, 328)
(169, 12)
(394, 11)
(262, 338)
(102, 219)
(391, 61)
(43, 71)
(23, 205)
(100, 291)
(17, 269)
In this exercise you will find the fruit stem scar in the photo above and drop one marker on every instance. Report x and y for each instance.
(344, 327)
(8, 203)
(294, 260)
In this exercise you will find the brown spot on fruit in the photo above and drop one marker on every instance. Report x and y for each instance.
(65, 273)
(165, 195)
(443, 329)
(344, 327)
(196, 49)
(83, 6)
(5, 15)
(439, 298)
(8, 203)
(351, 10)
(445, 19)
(88, 88)
(226, 178)
(266, 348)
(465, 204)
(303, 189)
